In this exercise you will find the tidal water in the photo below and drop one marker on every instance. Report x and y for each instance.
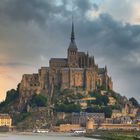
(40, 137)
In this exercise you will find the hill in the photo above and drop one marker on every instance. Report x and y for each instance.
(40, 111)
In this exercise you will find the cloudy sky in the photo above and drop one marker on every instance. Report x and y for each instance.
(33, 31)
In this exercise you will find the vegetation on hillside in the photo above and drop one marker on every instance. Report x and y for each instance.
(38, 100)
(68, 108)
(107, 110)
(11, 97)
(66, 101)
(63, 101)
(20, 117)
(134, 102)
(100, 99)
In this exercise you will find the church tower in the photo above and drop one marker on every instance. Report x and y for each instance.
(72, 51)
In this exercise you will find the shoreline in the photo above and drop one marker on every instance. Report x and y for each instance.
(32, 133)
(115, 135)
(104, 135)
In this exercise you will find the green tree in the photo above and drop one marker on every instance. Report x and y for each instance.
(95, 109)
(20, 117)
(69, 108)
(94, 94)
(38, 100)
(100, 99)
(134, 101)
(104, 99)
(11, 96)
(107, 111)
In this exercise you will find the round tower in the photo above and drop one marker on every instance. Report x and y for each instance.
(90, 124)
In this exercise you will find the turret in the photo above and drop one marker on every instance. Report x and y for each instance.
(87, 59)
(105, 68)
(93, 61)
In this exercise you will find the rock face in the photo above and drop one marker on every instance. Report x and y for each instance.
(78, 70)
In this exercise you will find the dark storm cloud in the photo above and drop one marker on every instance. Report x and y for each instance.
(28, 10)
(84, 6)
(111, 36)
(114, 43)
(40, 11)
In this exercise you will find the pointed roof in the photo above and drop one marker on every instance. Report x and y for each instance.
(105, 68)
(72, 43)
(72, 32)
(93, 59)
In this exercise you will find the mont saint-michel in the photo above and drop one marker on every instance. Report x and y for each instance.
(78, 71)
(72, 93)
(70, 69)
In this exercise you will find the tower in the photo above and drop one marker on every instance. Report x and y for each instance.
(72, 50)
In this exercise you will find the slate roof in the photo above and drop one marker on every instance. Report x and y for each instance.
(58, 59)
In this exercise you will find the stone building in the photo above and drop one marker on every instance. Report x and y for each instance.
(116, 114)
(83, 117)
(77, 71)
(5, 120)
(69, 127)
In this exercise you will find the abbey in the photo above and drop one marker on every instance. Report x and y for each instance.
(77, 71)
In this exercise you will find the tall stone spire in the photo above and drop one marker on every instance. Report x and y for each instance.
(72, 32)
(72, 43)
(72, 50)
